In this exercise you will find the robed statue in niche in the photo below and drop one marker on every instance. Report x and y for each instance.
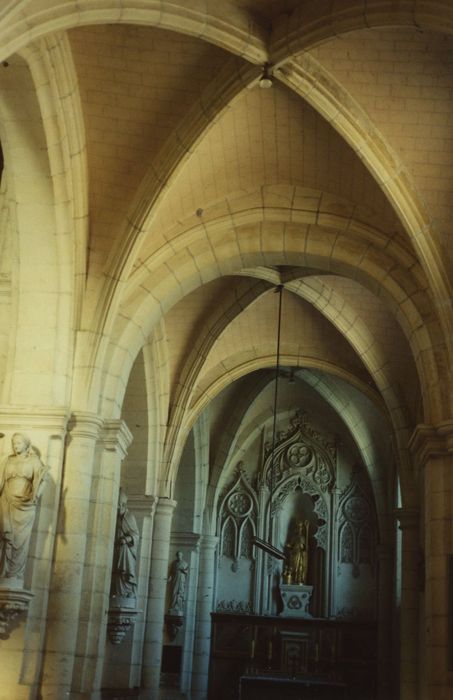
(124, 570)
(296, 569)
(177, 579)
(22, 478)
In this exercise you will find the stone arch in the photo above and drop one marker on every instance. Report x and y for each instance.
(197, 357)
(41, 220)
(278, 243)
(309, 24)
(239, 369)
(226, 26)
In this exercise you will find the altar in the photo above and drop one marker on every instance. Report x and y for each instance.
(261, 656)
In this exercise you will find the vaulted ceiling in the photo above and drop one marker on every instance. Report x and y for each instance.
(195, 191)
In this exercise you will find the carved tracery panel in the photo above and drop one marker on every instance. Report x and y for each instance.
(237, 519)
(356, 526)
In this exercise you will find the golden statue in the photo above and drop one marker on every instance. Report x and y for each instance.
(297, 554)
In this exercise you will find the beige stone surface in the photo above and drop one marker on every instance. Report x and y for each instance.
(151, 197)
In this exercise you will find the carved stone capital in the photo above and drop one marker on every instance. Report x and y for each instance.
(185, 540)
(145, 505)
(165, 506)
(208, 542)
(116, 437)
(84, 425)
(14, 600)
(429, 441)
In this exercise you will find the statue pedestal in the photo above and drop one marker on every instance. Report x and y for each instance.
(121, 617)
(14, 600)
(174, 621)
(296, 599)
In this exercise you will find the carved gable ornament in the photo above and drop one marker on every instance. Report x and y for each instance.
(301, 451)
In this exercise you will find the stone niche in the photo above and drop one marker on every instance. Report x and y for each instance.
(304, 479)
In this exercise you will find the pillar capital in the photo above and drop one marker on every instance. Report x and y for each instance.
(115, 436)
(429, 441)
(165, 506)
(146, 505)
(209, 541)
(190, 540)
(83, 424)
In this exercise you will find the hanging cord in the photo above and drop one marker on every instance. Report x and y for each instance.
(279, 291)
(262, 544)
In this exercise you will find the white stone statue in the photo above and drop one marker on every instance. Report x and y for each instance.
(177, 579)
(124, 571)
(21, 483)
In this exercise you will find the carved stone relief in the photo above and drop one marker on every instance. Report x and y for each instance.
(355, 526)
(302, 450)
(238, 520)
(234, 606)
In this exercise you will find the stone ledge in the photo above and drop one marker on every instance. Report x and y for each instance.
(14, 600)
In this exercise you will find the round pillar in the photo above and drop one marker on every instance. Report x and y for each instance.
(152, 648)
(68, 568)
(205, 596)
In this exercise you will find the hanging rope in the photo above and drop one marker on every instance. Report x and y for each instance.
(279, 291)
(268, 546)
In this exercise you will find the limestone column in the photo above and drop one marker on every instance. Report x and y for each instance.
(144, 509)
(410, 592)
(432, 447)
(114, 439)
(205, 601)
(69, 557)
(189, 544)
(152, 648)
